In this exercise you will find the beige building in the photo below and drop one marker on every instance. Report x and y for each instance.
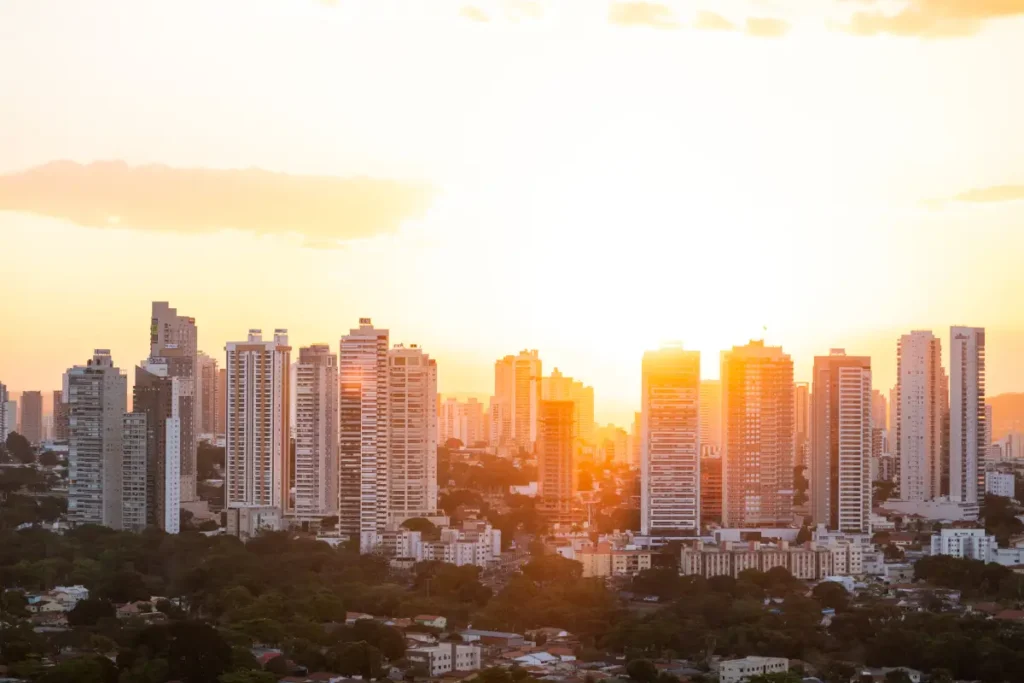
(258, 437)
(556, 471)
(462, 420)
(741, 670)
(32, 416)
(710, 416)
(921, 400)
(758, 436)
(603, 561)
(206, 395)
(840, 472)
(808, 562)
(174, 338)
(517, 386)
(411, 434)
(316, 435)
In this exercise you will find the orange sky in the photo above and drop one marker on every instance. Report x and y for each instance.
(586, 178)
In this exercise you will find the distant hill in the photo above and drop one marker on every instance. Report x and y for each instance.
(1007, 414)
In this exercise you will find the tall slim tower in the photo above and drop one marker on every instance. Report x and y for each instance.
(4, 419)
(517, 385)
(206, 395)
(175, 338)
(919, 388)
(841, 436)
(97, 397)
(710, 416)
(363, 484)
(32, 416)
(159, 398)
(462, 420)
(758, 424)
(258, 434)
(411, 434)
(134, 499)
(558, 387)
(60, 415)
(316, 434)
(967, 414)
(555, 468)
(222, 402)
(670, 450)
(802, 425)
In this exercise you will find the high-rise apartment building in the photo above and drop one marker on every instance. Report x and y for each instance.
(612, 444)
(206, 395)
(60, 415)
(158, 396)
(222, 402)
(32, 416)
(411, 434)
(363, 455)
(174, 338)
(316, 434)
(134, 499)
(967, 414)
(670, 451)
(711, 488)
(5, 420)
(558, 387)
(758, 436)
(636, 441)
(257, 438)
(517, 385)
(802, 425)
(555, 467)
(840, 470)
(97, 397)
(462, 420)
(879, 410)
(710, 416)
(919, 415)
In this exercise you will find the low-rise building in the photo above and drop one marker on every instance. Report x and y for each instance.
(973, 544)
(446, 658)
(1000, 484)
(603, 561)
(499, 638)
(432, 620)
(811, 561)
(741, 670)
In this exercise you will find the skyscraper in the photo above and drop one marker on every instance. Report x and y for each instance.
(363, 484)
(757, 415)
(555, 467)
(222, 402)
(517, 385)
(670, 451)
(175, 338)
(60, 415)
(159, 398)
(558, 387)
(411, 434)
(710, 416)
(802, 425)
(967, 414)
(841, 442)
(32, 416)
(316, 434)
(97, 397)
(919, 408)
(5, 420)
(879, 410)
(134, 497)
(206, 395)
(258, 434)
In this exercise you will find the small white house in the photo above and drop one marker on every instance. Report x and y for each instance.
(447, 657)
(741, 670)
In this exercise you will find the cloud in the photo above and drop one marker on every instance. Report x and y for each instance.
(709, 21)
(766, 27)
(474, 14)
(650, 14)
(933, 18)
(997, 193)
(324, 210)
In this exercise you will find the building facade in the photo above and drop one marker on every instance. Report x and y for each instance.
(411, 434)
(462, 420)
(133, 473)
(174, 338)
(257, 438)
(967, 414)
(60, 415)
(919, 416)
(97, 398)
(32, 416)
(316, 435)
(841, 442)
(363, 456)
(158, 397)
(556, 471)
(670, 433)
(710, 416)
(206, 395)
(558, 387)
(517, 387)
(759, 436)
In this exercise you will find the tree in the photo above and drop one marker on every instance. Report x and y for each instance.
(195, 651)
(247, 677)
(803, 536)
(358, 659)
(424, 526)
(831, 594)
(278, 666)
(93, 669)
(49, 459)
(88, 612)
(777, 677)
(20, 449)
(642, 670)
(897, 676)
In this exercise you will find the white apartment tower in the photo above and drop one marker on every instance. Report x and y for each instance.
(257, 442)
(316, 434)
(411, 434)
(758, 436)
(175, 338)
(670, 443)
(97, 397)
(841, 439)
(919, 407)
(558, 387)
(968, 416)
(517, 389)
(133, 473)
(462, 420)
(363, 455)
